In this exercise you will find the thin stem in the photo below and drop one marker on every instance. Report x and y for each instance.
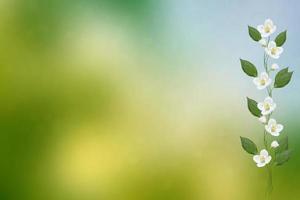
(265, 139)
(270, 94)
(270, 90)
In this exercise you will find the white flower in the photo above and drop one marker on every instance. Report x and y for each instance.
(273, 50)
(262, 159)
(274, 144)
(262, 81)
(267, 106)
(263, 42)
(273, 128)
(267, 28)
(274, 66)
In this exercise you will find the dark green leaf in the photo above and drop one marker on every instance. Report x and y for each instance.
(283, 145)
(248, 145)
(248, 68)
(283, 157)
(252, 107)
(280, 39)
(282, 78)
(254, 33)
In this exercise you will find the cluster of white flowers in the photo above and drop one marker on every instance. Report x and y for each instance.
(263, 81)
(276, 150)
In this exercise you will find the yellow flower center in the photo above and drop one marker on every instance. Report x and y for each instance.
(273, 128)
(262, 159)
(267, 28)
(267, 106)
(273, 50)
(262, 81)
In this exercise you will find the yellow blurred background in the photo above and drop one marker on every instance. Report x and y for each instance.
(136, 100)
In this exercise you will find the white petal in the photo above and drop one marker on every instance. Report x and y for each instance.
(274, 56)
(260, 164)
(273, 29)
(265, 34)
(268, 159)
(264, 75)
(269, 81)
(268, 100)
(260, 28)
(271, 45)
(264, 153)
(268, 22)
(256, 81)
(279, 50)
(270, 54)
(279, 127)
(266, 112)
(276, 134)
(260, 106)
(268, 129)
(261, 87)
(256, 158)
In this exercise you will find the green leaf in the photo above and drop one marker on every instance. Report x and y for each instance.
(283, 157)
(248, 68)
(282, 78)
(248, 145)
(283, 145)
(254, 33)
(280, 39)
(252, 107)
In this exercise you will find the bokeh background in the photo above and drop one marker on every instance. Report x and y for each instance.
(139, 99)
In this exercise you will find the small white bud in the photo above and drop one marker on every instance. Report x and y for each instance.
(263, 42)
(262, 119)
(274, 144)
(274, 66)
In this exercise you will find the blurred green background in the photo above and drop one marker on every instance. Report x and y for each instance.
(138, 99)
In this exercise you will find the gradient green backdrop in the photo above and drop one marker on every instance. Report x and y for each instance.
(139, 99)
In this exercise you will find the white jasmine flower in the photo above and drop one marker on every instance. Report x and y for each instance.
(273, 51)
(274, 66)
(263, 42)
(262, 119)
(274, 144)
(262, 81)
(267, 28)
(267, 106)
(273, 128)
(262, 159)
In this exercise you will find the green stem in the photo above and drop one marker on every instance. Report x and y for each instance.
(270, 90)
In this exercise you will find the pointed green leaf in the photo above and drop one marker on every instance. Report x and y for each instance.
(248, 68)
(252, 107)
(280, 39)
(282, 78)
(254, 33)
(248, 145)
(283, 157)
